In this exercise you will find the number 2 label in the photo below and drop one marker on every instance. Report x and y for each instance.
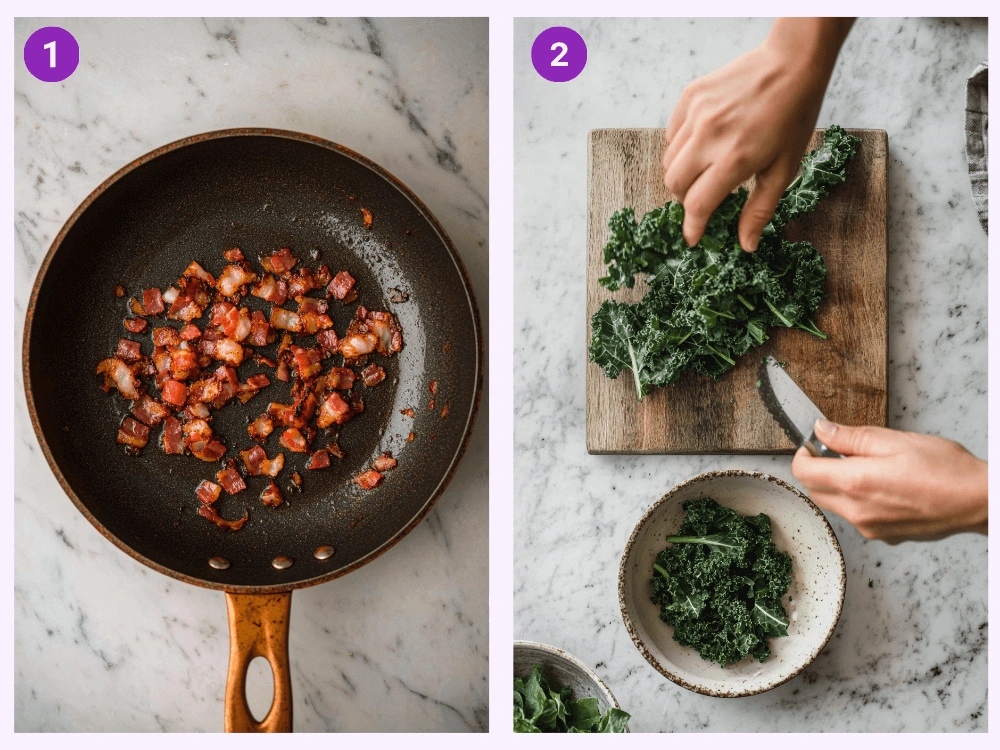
(557, 61)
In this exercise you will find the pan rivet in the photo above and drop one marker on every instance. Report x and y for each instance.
(281, 562)
(219, 563)
(324, 552)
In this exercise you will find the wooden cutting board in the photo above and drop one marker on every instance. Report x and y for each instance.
(845, 375)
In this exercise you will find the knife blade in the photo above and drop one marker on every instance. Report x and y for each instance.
(792, 409)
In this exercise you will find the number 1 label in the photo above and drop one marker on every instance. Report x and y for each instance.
(51, 47)
(40, 56)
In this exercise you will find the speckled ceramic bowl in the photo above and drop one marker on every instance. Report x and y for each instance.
(562, 669)
(813, 601)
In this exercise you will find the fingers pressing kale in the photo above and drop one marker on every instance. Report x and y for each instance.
(710, 304)
(720, 585)
(540, 708)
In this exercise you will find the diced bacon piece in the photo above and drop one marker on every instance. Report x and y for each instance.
(271, 290)
(293, 440)
(135, 325)
(227, 375)
(149, 411)
(194, 269)
(329, 341)
(233, 279)
(307, 361)
(263, 361)
(410, 437)
(118, 375)
(445, 409)
(286, 343)
(341, 285)
(233, 256)
(280, 263)
(372, 375)
(312, 314)
(383, 325)
(172, 436)
(272, 496)
(252, 459)
(231, 480)
(333, 411)
(340, 378)
(213, 451)
(136, 307)
(358, 344)
(323, 275)
(152, 300)
(396, 345)
(297, 480)
(366, 217)
(166, 336)
(282, 372)
(433, 387)
(229, 351)
(227, 392)
(407, 413)
(250, 388)
(320, 460)
(261, 427)
(285, 320)
(260, 330)
(171, 295)
(430, 405)
(196, 432)
(174, 393)
(208, 492)
(196, 411)
(133, 433)
(128, 351)
(183, 363)
(190, 332)
(293, 415)
(272, 467)
(209, 512)
(303, 281)
(366, 480)
(223, 311)
(187, 306)
(335, 450)
(384, 463)
(204, 391)
(119, 291)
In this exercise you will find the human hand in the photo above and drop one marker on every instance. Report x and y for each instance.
(754, 116)
(896, 486)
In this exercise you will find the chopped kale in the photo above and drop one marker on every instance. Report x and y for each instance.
(540, 708)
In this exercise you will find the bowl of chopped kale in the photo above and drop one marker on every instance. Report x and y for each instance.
(554, 692)
(731, 583)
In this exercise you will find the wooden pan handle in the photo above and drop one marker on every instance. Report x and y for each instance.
(258, 626)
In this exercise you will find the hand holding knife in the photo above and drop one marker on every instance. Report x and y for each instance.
(790, 407)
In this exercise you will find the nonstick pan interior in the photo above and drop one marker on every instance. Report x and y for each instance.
(259, 191)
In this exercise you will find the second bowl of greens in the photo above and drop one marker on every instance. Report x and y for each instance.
(731, 583)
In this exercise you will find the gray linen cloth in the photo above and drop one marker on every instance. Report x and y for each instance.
(976, 148)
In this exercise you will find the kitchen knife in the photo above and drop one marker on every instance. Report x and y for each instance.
(790, 407)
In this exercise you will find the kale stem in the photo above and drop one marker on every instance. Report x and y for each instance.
(720, 314)
(781, 317)
(719, 354)
(635, 371)
(660, 570)
(743, 299)
(811, 327)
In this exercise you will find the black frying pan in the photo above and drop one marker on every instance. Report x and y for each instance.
(259, 190)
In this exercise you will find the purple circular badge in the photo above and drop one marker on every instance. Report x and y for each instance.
(51, 54)
(559, 54)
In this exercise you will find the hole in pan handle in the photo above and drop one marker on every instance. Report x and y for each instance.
(258, 626)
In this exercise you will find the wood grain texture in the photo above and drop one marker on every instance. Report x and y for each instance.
(845, 375)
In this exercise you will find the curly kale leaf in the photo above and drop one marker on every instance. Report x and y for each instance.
(710, 304)
(540, 708)
(721, 582)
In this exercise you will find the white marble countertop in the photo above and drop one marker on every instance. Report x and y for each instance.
(909, 652)
(103, 643)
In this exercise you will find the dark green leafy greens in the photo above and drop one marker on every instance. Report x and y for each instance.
(720, 584)
(539, 708)
(710, 304)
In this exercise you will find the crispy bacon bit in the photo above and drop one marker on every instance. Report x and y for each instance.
(211, 452)
(447, 347)
(367, 480)
(272, 496)
(304, 281)
(195, 269)
(329, 341)
(208, 492)
(148, 411)
(196, 411)
(231, 480)
(385, 462)
(307, 362)
(297, 480)
(252, 459)
(274, 466)
(190, 332)
(229, 351)
(312, 314)
(357, 345)
(261, 427)
(172, 436)
(136, 307)
(406, 412)
(384, 325)
(372, 375)
(118, 375)
(209, 512)
(152, 300)
(410, 437)
(333, 411)
(271, 290)
(135, 325)
(183, 363)
(320, 460)
(166, 336)
(285, 320)
(297, 414)
(174, 392)
(234, 277)
(260, 331)
(293, 440)
(282, 372)
(430, 404)
(133, 433)
(366, 215)
(445, 409)
(433, 387)
(119, 291)
(335, 450)
(280, 263)
(341, 285)
(128, 351)
(340, 379)
(186, 306)
(233, 256)
(171, 295)
(249, 389)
